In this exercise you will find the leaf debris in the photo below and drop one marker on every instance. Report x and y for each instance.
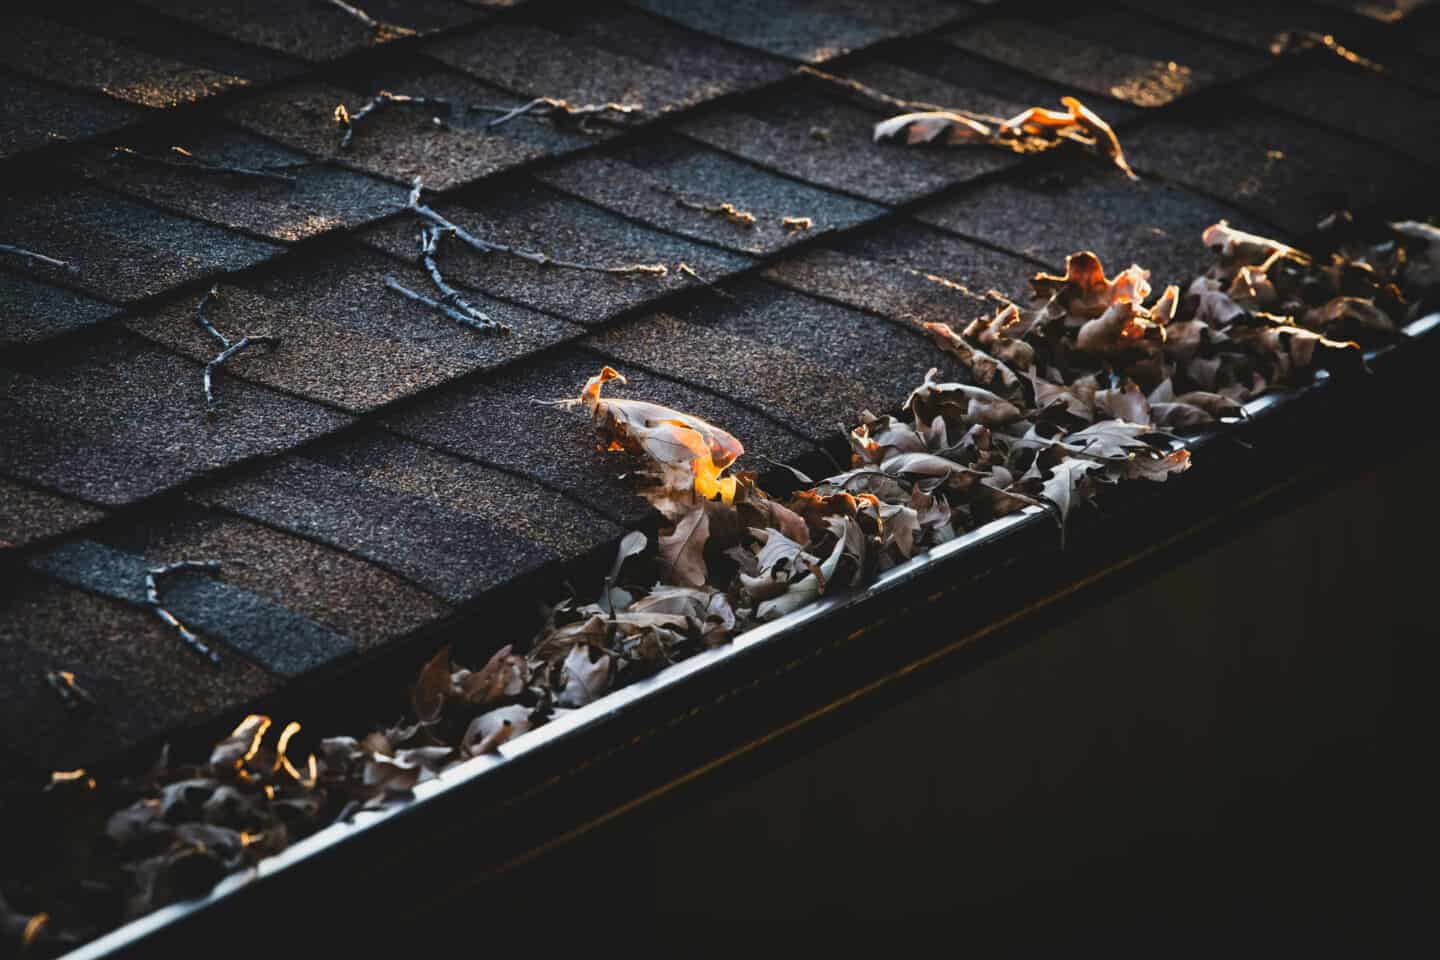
(71, 694)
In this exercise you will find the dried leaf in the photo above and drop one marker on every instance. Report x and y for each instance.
(682, 550)
(583, 681)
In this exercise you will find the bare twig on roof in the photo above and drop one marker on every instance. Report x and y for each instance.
(219, 360)
(22, 252)
(70, 693)
(429, 246)
(726, 209)
(581, 115)
(542, 259)
(440, 307)
(686, 270)
(228, 347)
(384, 98)
(152, 596)
(192, 162)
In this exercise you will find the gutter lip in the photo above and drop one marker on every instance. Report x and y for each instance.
(616, 703)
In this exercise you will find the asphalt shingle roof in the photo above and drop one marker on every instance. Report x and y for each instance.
(385, 471)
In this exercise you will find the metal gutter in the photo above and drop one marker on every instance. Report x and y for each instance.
(621, 704)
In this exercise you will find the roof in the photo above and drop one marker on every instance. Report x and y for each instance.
(383, 473)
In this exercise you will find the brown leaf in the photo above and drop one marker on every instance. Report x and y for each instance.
(427, 697)
(682, 550)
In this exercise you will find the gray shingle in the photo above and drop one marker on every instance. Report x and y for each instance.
(118, 250)
(115, 419)
(663, 182)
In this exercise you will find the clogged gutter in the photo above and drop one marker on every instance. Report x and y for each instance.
(1090, 387)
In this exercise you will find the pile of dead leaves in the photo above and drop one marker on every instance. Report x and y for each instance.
(1090, 385)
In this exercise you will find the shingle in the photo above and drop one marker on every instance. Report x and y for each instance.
(404, 142)
(115, 419)
(498, 422)
(1051, 215)
(902, 291)
(1254, 25)
(535, 513)
(1142, 36)
(347, 339)
(272, 636)
(156, 687)
(317, 31)
(117, 249)
(660, 43)
(1358, 102)
(535, 218)
(349, 595)
(28, 515)
(316, 198)
(661, 182)
(826, 140)
(1289, 172)
(454, 554)
(919, 247)
(33, 312)
(61, 54)
(811, 32)
(35, 114)
(542, 63)
(1079, 62)
(148, 30)
(815, 364)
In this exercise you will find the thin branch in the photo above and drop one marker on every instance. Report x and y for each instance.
(609, 113)
(228, 347)
(541, 259)
(192, 162)
(219, 360)
(152, 596)
(205, 324)
(429, 246)
(726, 209)
(685, 269)
(70, 693)
(22, 252)
(384, 98)
(357, 13)
(444, 308)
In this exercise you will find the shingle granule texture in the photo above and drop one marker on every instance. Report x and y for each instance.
(116, 419)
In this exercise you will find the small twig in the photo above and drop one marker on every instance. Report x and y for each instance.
(686, 270)
(609, 112)
(22, 252)
(70, 693)
(797, 223)
(544, 260)
(357, 13)
(444, 308)
(192, 162)
(384, 98)
(205, 324)
(885, 99)
(449, 296)
(152, 596)
(228, 347)
(230, 351)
